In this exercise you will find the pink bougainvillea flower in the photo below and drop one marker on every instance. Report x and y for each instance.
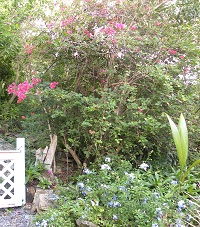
(114, 41)
(35, 81)
(172, 52)
(32, 113)
(68, 32)
(22, 89)
(23, 117)
(181, 56)
(109, 30)
(67, 21)
(28, 48)
(49, 171)
(53, 85)
(120, 26)
(50, 25)
(140, 110)
(157, 23)
(132, 28)
(91, 132)
(12, 88)
(89, 34)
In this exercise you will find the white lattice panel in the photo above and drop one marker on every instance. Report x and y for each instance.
(12, 176)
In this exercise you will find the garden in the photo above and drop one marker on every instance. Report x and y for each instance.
(111, 90)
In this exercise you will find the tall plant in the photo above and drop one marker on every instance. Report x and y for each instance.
(180, 136)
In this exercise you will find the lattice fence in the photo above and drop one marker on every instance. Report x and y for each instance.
(12, 176)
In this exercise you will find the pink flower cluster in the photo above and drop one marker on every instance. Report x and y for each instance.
(172, 52)
(89, 34)
(22, 89)
(109, 30)
(28, 49)
(67, 21)
(120, 26)
(53, 85)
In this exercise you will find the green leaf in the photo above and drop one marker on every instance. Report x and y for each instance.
(183, 132)
(177, 136)
(195, 163)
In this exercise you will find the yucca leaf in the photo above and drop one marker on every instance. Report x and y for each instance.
(177, 140)
(183, 132)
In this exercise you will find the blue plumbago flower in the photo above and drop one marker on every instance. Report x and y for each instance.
(89, 189)
(116, 204)
(178, 223)
(156, 195)
(84, 193)
(174, 182)
(87, 171)
(37, 223)
(107, 159)
(80, 185)
(52, 218)
(105, 166)
(122, 188)
(154, 225)
(159, 211)
(145, 201)
(114, 197)
(181, 205)
(53, 197)
(104, 186)
(115, 217)
(131, 176)
(144, 166)
(110, 204)
(44, 223)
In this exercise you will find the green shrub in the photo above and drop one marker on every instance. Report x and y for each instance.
(114, 194)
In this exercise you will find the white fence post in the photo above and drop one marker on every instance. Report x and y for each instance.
(20, 173)
(12, 176)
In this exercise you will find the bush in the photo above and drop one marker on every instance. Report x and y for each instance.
(109, 72)
(114, 194)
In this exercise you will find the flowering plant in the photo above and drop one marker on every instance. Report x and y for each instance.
(180, 136)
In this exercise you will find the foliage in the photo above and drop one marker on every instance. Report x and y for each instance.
(180, 135)
(114, 194)
(117, 69)
(33, 172)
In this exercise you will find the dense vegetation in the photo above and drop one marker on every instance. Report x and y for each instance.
(102, 75)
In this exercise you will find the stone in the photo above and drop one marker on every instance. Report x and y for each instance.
(5, 145)
(42, 200)
(84, 223)
(30, 193)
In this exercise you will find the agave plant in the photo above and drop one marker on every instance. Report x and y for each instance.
(180, 136)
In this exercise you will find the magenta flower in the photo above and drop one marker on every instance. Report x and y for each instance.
(53, 85)
(109, 30)
(157, 23)
(172, 52)
(120, 26)
(23, 117)
(35, 81)
(133, 28)
(28, 48)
